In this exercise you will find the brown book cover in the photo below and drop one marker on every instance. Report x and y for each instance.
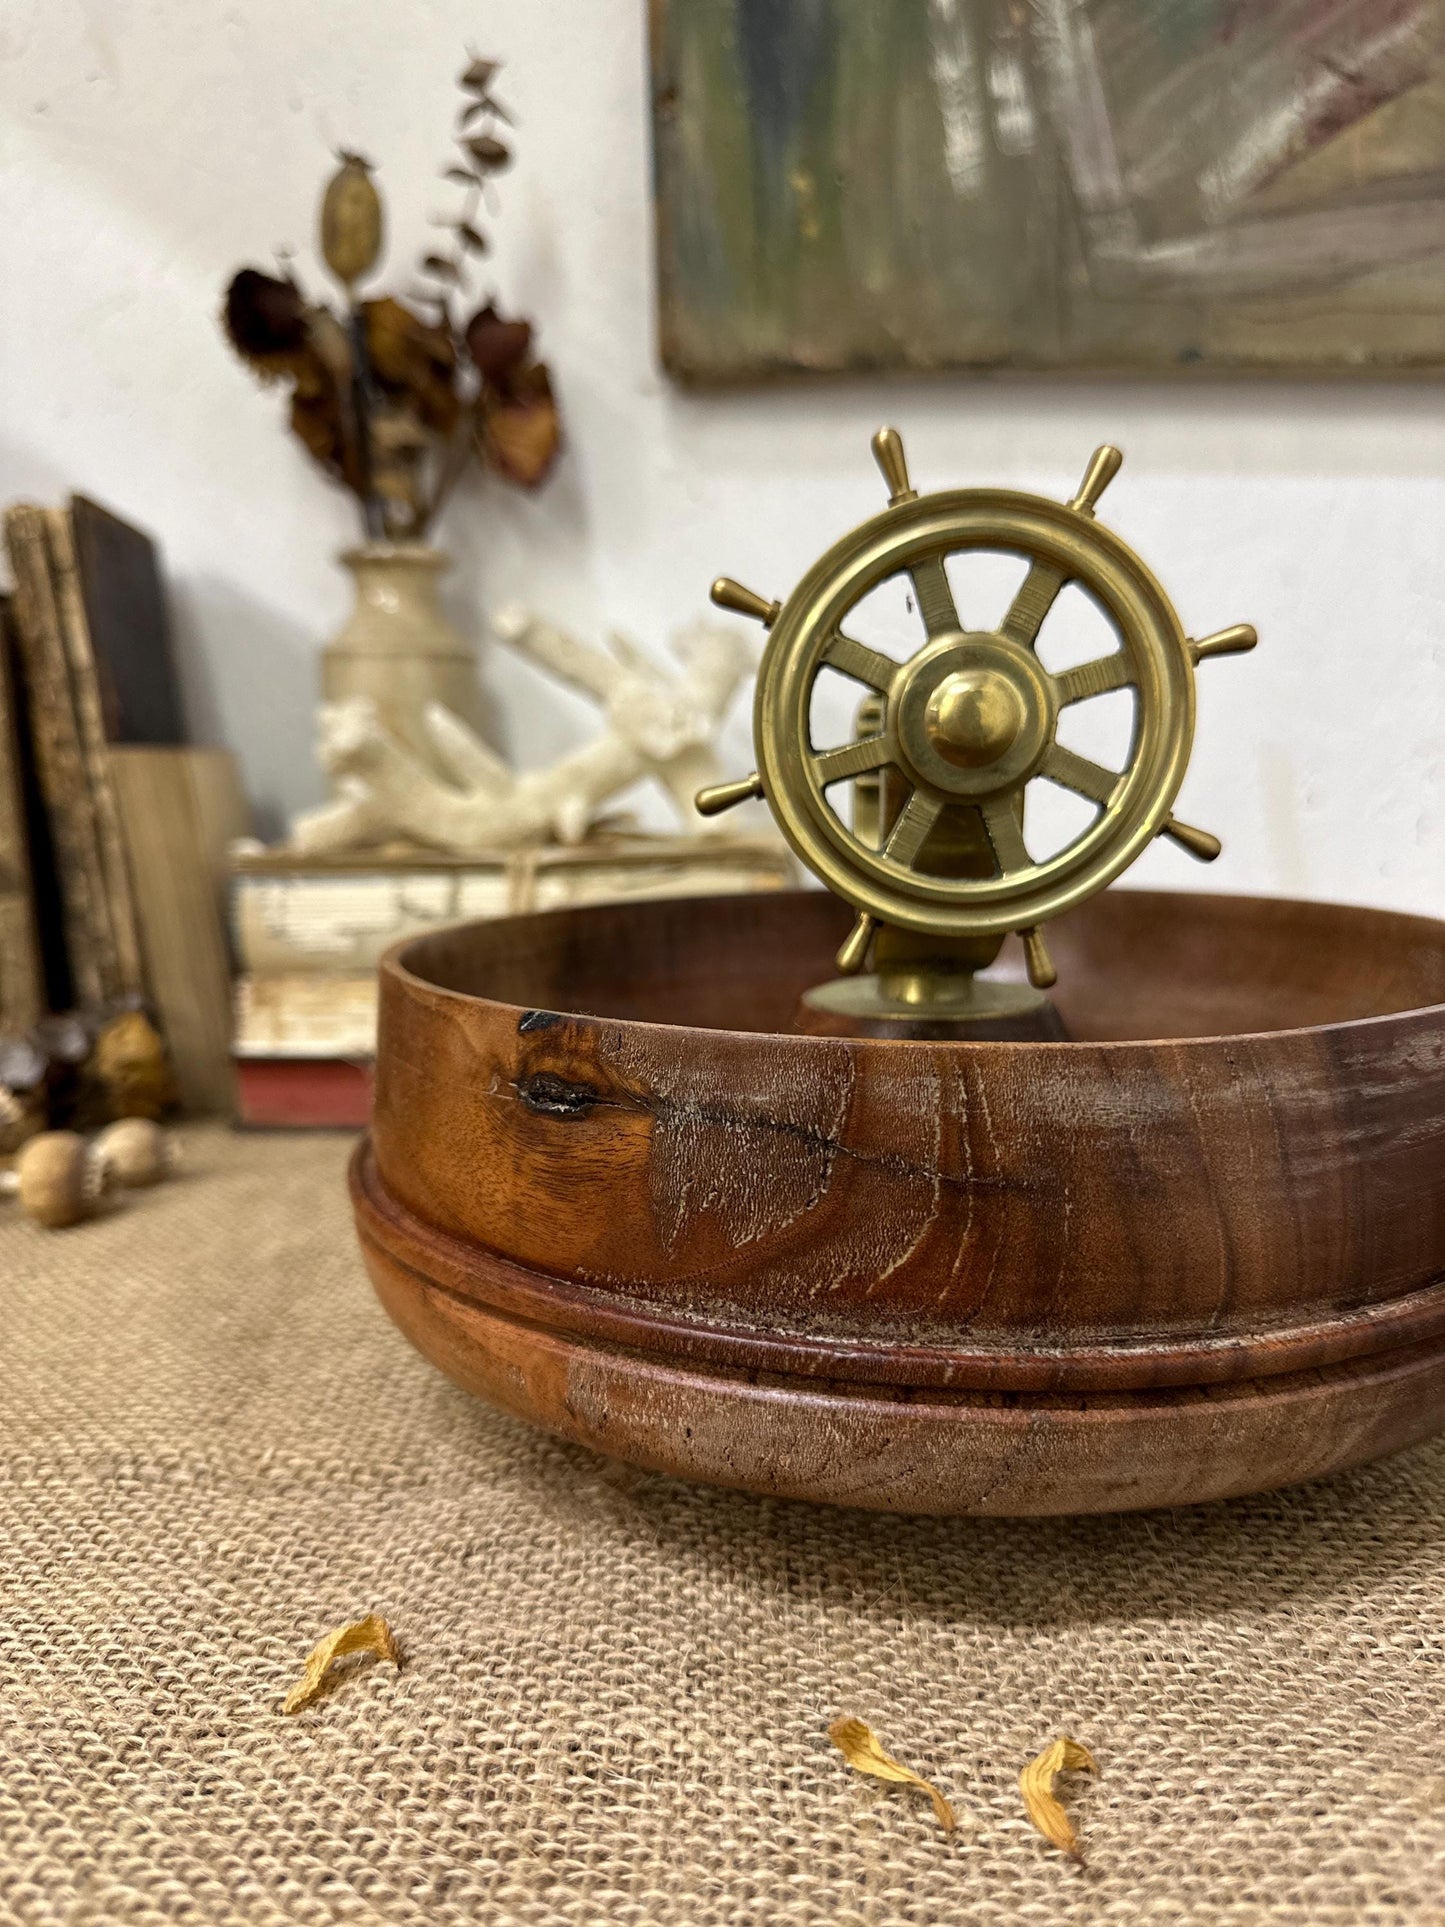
(61, 763)
(129, 627)
(90, 729)
(22, 975)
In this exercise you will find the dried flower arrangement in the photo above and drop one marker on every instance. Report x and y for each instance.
(393, 402)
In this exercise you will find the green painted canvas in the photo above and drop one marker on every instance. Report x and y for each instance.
(1135, 185)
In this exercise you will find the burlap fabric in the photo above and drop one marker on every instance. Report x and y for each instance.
(617, 1687)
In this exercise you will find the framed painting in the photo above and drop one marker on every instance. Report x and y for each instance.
(1129, 185)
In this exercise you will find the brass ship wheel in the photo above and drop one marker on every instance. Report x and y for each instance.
(968, 721)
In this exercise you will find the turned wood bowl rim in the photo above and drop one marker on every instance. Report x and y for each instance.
(394, 964)
(464, 1268)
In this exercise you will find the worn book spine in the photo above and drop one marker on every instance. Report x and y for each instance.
(179, 810)
(22, 983)
(60, 761)
(90, 729)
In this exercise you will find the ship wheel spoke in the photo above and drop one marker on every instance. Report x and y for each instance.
(1094, 678)
(1032, 603)
(852, 759)
(1005, 833)
(856, 659)
(935, 597)
(1081, 774)
(915, 820)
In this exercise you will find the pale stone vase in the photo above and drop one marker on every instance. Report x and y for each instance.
(399, 648)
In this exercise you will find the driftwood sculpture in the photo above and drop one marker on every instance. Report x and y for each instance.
(658, 725)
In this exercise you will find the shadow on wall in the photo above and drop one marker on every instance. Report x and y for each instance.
(249, 674)
(508, 546)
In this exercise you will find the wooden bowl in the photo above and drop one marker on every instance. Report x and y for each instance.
(1199, 1250)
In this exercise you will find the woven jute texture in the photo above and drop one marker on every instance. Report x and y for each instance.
(617, 1688)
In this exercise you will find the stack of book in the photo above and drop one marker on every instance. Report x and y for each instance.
(309, 932)
(112, 827)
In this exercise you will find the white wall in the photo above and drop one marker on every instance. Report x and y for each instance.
(151, 146)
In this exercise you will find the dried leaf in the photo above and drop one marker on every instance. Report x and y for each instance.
(369, 1635)
(496, 345)
(318, 422)
(1043, 1805)
(265, 318)
(471, 237)
(474, 110)
(479, 75)
(519, 430)
(414, 363)
(395, 433)
(860, 1748)
(488, 152)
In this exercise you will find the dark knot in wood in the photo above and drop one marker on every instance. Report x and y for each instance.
(552, 1096)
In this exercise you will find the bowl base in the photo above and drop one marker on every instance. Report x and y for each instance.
(899, 1448)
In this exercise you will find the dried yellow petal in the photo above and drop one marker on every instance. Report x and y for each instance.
(369, 1635)
(1043, 1805)
(860, 1748)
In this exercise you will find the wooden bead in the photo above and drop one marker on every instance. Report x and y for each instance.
(136, 1151)
(59, 1179)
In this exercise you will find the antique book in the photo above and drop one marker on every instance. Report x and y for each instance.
(296, 1014)
(339, 914)
(22, 975)
(297, 1093)
(129, 627)
(91, 952)
(309, 933)
(304, 1047)
(90, 727)
(180, 809)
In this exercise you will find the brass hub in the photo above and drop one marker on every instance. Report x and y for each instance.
(975, 714)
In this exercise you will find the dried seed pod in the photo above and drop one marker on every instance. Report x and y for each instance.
(21, 1117)
(58, 1179)
(137, 1151)
(131, 1067)
(351, 221)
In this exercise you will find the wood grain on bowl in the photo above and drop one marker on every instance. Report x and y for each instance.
(1199, 1249)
